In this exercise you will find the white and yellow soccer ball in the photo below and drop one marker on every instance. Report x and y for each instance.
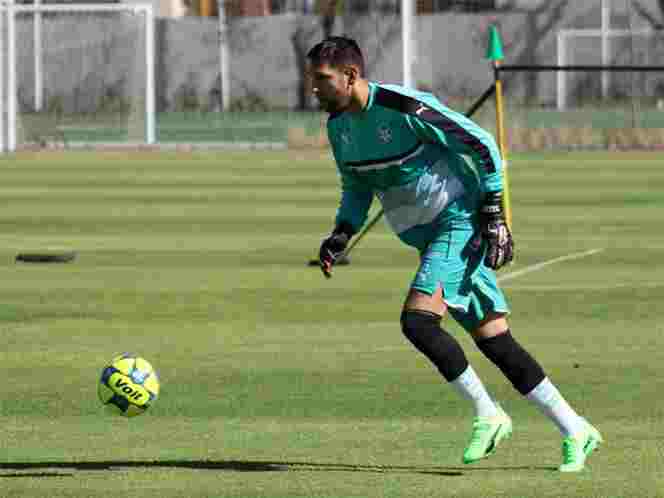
(128, 385)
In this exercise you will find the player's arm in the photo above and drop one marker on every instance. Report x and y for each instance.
(351, 216)
(437, 124)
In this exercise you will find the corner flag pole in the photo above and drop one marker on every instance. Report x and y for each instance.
(495, 55)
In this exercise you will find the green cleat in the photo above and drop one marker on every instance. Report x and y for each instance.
(487, 433)
(577, 449)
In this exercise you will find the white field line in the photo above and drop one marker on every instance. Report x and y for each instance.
(582, 287)
(544, 264)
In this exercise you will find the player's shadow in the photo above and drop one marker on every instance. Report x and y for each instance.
(64, 469)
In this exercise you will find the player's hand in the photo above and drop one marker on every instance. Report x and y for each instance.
(495, 232)
(331, 250)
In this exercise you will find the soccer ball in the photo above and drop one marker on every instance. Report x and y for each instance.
(128, 385)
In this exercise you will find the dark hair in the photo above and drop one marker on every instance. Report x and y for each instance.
(337, 51)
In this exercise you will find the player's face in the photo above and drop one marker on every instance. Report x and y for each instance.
(331, 87)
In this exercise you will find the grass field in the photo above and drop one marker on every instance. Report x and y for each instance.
(277, 383)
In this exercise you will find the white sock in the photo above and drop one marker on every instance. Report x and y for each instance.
(469, 385)
(553, 405)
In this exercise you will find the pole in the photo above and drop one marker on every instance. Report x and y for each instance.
(495, 55)
(502, 143)
(224, 63)
(11, 77)
(606, 59)
(39, 79)
(2, 79)
(408, 55)
(561, 89)
(150, 86)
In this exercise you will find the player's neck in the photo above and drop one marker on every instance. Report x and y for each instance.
(360, 96)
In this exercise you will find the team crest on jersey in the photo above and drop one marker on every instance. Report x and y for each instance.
(384, 134)
(346, 137)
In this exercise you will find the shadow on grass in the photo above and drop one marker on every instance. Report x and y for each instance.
(64, 469)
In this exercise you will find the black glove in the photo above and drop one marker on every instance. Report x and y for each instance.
(495, 232)
(333, 248)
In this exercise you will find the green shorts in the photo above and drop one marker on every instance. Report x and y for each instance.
(455, 262)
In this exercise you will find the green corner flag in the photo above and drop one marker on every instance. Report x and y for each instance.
(494, 51)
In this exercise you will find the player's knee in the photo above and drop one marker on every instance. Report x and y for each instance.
(413, 322)
(493, 324)
(422, 329)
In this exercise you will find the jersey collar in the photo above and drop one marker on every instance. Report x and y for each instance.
(373, 87)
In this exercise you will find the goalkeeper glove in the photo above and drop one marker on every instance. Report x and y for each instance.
(495, 232)
(333, 248)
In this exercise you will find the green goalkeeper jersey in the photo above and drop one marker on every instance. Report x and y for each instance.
(417, 156)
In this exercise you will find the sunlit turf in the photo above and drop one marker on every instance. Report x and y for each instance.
(279, 383)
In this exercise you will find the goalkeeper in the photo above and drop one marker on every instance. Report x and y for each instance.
(438, 177)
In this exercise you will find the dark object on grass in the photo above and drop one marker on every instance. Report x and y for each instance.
(46, 257)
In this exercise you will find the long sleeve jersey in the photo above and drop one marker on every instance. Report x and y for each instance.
(415, 155)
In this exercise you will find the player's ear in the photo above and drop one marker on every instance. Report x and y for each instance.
(352, 73)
